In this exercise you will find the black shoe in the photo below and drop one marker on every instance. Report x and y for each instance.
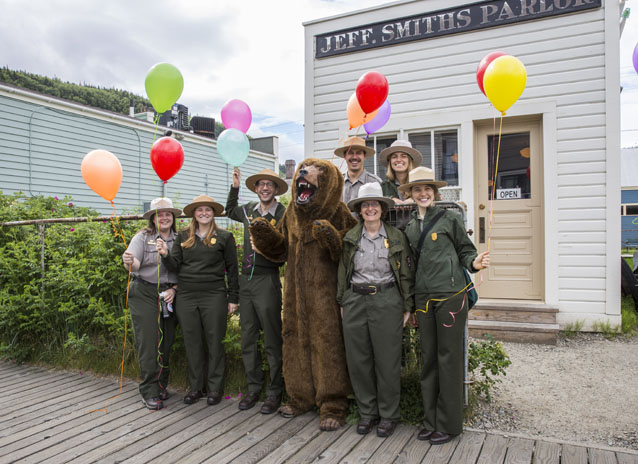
(365, 425)
(386, 427)
(154, 404)
(424, 435)
(271, 404)
(164, 394)
(249, 401)
(193, 397)
(438, 438)
(214, 398)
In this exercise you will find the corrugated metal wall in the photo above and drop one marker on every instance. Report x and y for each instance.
(42, 145)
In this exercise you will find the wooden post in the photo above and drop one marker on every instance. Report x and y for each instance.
(41, 228)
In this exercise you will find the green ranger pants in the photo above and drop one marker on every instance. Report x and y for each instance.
(203, 317)
(372, 332)
(260, 309)
(153, 360)
(442, 331)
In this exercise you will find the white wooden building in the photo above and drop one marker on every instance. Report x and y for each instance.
(555, 247)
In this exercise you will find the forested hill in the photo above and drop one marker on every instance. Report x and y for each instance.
(114, 100)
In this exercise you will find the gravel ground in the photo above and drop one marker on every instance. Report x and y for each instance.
(584, 389)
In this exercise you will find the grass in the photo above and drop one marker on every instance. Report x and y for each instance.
(573, 328)
(629, 313)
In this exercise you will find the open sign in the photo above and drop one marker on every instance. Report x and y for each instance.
(508, 194)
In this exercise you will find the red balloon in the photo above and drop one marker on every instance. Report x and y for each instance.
(485, 62)
(372, 90)
(167, 157)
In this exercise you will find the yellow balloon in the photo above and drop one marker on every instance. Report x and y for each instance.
(504, 81)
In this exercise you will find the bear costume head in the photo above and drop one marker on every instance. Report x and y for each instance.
(316, 190)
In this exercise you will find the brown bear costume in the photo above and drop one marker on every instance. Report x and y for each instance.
(309, 237)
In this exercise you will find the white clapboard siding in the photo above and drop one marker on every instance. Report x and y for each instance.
(43, 141)
(566, 65)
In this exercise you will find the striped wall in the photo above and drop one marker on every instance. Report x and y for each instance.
(43, 141)
(572, 87)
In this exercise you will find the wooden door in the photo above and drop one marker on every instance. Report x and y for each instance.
(509, 215)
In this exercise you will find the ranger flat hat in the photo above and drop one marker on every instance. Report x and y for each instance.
(421, 176)
(404, 146)
(267, 174)
(369, 192)
(352, 143)
(161, 204)
(203, 200)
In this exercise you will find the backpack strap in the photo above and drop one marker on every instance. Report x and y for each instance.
(426, 229)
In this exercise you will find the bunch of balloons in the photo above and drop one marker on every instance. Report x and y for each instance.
(369, 104)
(164, 84)
(232, 144)
(501, 78)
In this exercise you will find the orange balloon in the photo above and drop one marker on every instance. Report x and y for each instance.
(102, 171)
(356, 116)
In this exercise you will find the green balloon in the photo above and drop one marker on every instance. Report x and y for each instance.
(164, 84)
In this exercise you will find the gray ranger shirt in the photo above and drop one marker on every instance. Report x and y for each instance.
(351, 190)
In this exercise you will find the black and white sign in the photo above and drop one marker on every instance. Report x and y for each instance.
(443, 22)
(508, 194)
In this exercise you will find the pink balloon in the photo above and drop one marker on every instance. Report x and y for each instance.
(236, 115)
(382, 117)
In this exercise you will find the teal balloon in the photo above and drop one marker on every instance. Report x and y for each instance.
(164, 84)
(233, 146)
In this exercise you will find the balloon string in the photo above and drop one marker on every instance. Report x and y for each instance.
(494, 177)
(338, 144)
(466, 289)
(156, 124)
(160, 333)
(128, 285)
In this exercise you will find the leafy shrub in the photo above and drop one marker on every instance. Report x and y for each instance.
(486, 360)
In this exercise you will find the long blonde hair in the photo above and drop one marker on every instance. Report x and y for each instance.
(192, 230)
(390, 174)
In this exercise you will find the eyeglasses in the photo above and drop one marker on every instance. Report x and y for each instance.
(370, 204)
(265, 183)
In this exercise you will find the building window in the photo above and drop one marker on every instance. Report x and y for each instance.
(438, 147)
(440, 150)
(373, 164)
(630, 209)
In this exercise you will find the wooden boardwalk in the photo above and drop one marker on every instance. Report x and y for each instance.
(46, 418)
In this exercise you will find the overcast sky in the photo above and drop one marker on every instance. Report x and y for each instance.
(246, 49)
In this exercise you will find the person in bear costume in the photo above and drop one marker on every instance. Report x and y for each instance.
(309, 237)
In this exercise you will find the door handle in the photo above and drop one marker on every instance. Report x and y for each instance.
(481, 206)
(481, 230)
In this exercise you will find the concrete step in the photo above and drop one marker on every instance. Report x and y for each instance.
(519, 332)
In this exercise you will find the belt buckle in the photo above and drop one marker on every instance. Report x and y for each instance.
(375, 289)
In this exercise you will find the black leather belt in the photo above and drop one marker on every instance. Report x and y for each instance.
(371, 289)
(142, 281)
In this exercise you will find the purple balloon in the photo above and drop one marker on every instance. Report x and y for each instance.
(236, 115)
(380, 119)
(636, 58)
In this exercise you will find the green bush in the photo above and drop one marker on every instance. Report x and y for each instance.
(486, 360)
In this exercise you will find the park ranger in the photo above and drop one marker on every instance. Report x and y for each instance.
(375, 290)
(354, 151)
(260, 290)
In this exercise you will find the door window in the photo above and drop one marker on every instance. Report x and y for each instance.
(513, 174)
